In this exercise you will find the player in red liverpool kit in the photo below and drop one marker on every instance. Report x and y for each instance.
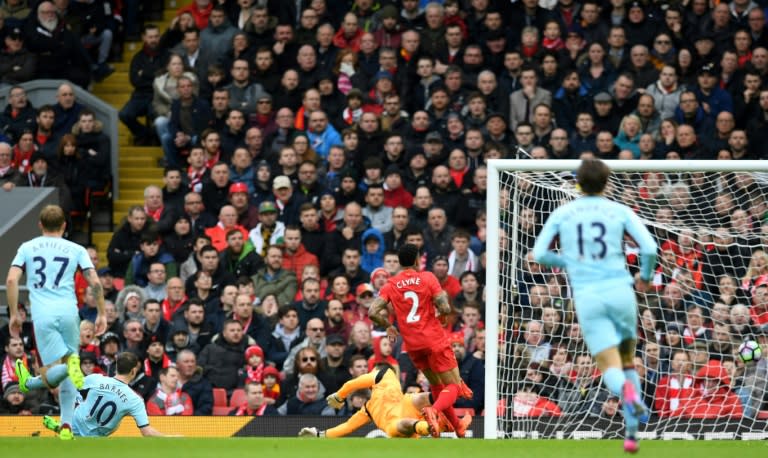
(416, 299)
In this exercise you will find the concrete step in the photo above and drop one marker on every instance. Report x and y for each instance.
(101, 241)
(115, 84)
(141, 151)
(139, 183)
(137, 162)
(132, 194)
(122, 205)
(141, 172)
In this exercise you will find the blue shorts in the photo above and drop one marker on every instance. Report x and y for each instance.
(607, 314)
(57, 335)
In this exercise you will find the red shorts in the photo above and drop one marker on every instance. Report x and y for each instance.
(437, 359)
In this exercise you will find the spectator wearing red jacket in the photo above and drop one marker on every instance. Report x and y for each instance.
(169, 399)
(395, 193)
(759, 310)
(675, 388)
(528, 403)
(295, 256)
(712, 397)
(200, 10)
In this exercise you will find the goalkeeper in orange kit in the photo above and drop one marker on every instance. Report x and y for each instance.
(395, 413)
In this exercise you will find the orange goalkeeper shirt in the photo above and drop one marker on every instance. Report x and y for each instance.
(387, 406)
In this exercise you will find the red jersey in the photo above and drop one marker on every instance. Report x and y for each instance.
(411, 294)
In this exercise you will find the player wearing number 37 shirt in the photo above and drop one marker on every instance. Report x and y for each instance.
(50, 263)
(416, 299)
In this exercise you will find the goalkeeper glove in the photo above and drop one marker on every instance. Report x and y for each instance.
(335, 401)
(309, 432)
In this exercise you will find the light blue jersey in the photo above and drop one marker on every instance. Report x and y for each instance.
(591, 232)
(50, 264)
(107, 401)
(591, 241)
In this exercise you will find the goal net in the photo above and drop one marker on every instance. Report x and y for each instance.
(710, 220)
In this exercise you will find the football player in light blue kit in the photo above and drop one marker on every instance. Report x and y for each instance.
(106, 400)
(591, 232)
(50, 263)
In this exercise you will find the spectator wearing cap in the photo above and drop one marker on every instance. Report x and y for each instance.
(287, 203)
(14, 402)
(17, 63)
(43, 175)
(711, 97)
(269, 231)
(712, 397)
(109, 347)
(604, 114)
(335, 370)
(247, 214)
(395, 194)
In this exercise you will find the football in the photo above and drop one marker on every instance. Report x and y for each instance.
(750, 351)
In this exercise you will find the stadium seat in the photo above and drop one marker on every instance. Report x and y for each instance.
(220, 398)
(238, 398)
(762, 415)
(221, 411)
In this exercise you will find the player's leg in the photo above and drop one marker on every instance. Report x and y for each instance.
(49, 377)
(443, 363)
(412, 406)
(633, 407)
(70, 331)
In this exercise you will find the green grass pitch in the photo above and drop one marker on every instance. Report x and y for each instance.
(367, 448)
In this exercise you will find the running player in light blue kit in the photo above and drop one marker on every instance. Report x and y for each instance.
(106, 400)
(591, 232)
(50, 263)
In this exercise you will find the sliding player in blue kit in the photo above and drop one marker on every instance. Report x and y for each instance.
(50, 263)
(590, 235)
(106, 401)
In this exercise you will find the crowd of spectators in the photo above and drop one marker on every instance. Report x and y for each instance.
(304, 142)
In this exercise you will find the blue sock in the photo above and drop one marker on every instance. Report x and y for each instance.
(614, 379)
(634, 377)
(631, 422)
(67, 398)
(55, 375)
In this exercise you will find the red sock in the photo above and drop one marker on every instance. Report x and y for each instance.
(451, 416)
(435, 390)
(446, 398)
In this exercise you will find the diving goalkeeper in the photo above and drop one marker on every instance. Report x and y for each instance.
(395, 413)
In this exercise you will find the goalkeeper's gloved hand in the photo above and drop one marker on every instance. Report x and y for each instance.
(335, 401)
(309, 431)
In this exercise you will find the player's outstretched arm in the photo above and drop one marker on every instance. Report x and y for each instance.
(148, 431)
(12, 294)
(375, 312)
(442, 303)
(541, 249)
(98, 292)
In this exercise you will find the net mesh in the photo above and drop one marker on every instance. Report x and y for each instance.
(711, 229)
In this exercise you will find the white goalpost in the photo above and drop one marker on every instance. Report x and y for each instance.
(710, 219)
